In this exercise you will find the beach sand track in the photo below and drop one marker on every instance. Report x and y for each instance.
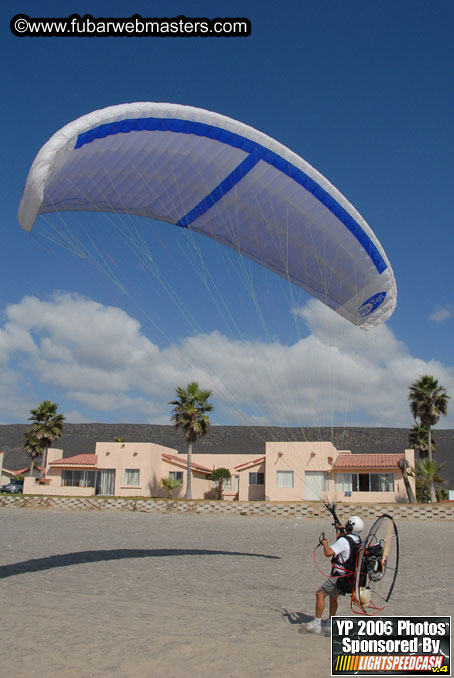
(131, 594)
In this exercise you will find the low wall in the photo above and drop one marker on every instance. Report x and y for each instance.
(441, 511)
(34, 486)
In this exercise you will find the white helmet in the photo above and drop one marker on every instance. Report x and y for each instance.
(354, 524)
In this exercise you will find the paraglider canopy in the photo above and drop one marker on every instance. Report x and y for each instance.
(207, 172)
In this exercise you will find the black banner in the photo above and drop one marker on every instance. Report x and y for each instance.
(396, 646)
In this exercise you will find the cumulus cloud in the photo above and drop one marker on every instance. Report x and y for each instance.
(442, 313)
(97, 360)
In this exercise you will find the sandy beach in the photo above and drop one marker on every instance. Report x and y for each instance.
(129, 594)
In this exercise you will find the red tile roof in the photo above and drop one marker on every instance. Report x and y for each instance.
(252, 462)
(194, 466)
(19, 471)
(367, 461)
(77, 460)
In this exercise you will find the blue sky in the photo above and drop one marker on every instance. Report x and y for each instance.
(363, 91)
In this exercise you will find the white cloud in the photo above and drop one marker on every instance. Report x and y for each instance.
(74, 416)
(15, 400)
(99, 362)
(442, 313)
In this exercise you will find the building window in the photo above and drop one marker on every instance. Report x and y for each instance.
(256, 478)
(237, 483)
(374, 482)
(78, 478)
(132, 476)
(176, 475)
(284, 478)
(343, 482)
(227, 484)
(386, 482)
(364, 482)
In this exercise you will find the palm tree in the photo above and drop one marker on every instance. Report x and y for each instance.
(427, 474)
(190, 413)
(33, 447)
(170, 484)
(428, 401)
(403, 465)
(418, 441)
(47, 426)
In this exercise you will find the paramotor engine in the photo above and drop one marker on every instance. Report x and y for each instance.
(377, 567)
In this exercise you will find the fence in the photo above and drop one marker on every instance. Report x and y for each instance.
(441, 511)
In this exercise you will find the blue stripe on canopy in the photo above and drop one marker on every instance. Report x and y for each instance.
(257, 152)
(216, 194)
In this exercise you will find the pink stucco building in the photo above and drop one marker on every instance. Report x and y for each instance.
(289, 471)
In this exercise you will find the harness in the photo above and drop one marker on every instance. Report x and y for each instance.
(346, 582)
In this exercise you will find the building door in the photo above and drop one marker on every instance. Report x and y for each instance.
(315, 485)
(105, 481)
(237, 487)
